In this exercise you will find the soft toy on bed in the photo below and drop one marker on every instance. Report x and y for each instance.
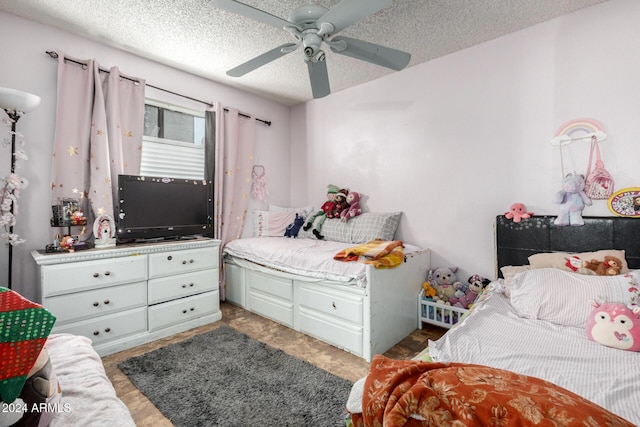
(611, 266)
(444, 282)
(476, 285)
(327, 207)
(615, 325)
(294, 228)
(341, 203)
(517, 212)
(353, 199)
(572, 200)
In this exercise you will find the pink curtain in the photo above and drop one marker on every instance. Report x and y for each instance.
(99, 125)
(235, 136)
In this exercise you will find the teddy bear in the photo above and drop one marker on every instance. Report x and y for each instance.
(353, 199)
(294, 228)
(517, 212)
(611, 266)
(476, 285)
(444, 282)
(326, 209)
(572, 200)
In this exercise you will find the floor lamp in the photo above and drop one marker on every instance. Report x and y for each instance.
(15, 103)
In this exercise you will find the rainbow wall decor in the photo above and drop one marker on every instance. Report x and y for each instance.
(578, 129)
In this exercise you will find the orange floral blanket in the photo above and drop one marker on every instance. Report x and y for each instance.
(411, 393)
(380, 253)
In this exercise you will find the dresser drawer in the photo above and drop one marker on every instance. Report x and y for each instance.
(175, 262)
(182, 310)
(109, 327)
(78, 276)
(333, 303)
(182, 285)
(90, 304)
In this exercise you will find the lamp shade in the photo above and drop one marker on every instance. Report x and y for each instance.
(11, 99)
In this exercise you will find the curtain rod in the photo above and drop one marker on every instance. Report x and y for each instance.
(54, 55)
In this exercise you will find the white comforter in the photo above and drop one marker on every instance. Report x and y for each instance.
(88, 398)
(303, 257)
(494, 335)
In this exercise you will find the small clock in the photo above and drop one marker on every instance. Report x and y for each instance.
(625, 202)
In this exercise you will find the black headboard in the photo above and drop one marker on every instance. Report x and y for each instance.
(515, 242)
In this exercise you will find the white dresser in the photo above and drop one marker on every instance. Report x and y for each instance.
(132, 294)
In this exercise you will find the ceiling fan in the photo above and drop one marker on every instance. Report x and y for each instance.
(312, 25)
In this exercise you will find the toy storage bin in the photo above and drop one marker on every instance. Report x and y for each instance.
(441, 315)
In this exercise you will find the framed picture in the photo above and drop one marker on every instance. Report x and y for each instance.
(625, 202)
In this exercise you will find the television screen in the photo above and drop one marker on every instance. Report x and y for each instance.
(162, 208)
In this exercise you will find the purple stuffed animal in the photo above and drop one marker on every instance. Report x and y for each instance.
(572, 200)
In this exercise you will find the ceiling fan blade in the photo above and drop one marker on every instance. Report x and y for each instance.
(252, 12)
(373, 53)
(261, 60)
(348, 12)
(319, 78)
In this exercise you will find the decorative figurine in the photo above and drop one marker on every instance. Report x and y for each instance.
(104, 231)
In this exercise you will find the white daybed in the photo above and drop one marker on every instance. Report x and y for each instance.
(351, 305)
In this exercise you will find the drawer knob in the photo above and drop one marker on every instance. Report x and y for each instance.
(107, 273)
(96, 303)
(184, 285)
(184, 262)
(96, 274)
(190, 261)
(107, 330)
(191, 285)
(107, 301)
(96, 332)
(192, 308)
(169, 258)
(333, 304)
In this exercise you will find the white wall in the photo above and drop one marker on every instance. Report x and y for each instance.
(454, 142)
(25, 66)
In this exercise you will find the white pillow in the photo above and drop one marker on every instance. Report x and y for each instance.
(271, 224)
(562, 297)
(304, 212)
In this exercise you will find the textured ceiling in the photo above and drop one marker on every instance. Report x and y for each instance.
(195, 36)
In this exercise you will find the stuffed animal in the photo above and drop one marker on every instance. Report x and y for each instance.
(572, 200)
(611, 266)
(294, 228)
(353, 199)
(444, 282)
(476, 285)
(517, 212)
(429, 291)
(614, 325)
(341, 203)
(327, 207)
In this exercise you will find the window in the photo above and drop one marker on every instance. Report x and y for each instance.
(172, 142)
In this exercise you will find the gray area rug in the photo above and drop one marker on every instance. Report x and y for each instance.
(225, 378)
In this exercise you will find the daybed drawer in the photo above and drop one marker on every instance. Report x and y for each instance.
(98, 302)
(110, 327)
(339, 305)
(72, 277)
(182, 310)
(172, 287)
(274, 286)
(175, 262)
(340, 334)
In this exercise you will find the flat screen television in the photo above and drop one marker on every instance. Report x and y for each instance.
(152, 208)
